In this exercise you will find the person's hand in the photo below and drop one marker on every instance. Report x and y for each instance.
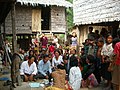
(62, 64)
(46, 77)
(31, 77)
(26, 78)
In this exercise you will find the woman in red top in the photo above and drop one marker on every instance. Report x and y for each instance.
(116, 71)
(51, 49)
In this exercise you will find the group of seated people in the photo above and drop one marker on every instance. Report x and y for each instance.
(63, 76)
(45, 69)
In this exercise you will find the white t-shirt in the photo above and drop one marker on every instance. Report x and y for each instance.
(75, 78)
(56, 42)
(25, 68)
(57, 62)
(107, 49)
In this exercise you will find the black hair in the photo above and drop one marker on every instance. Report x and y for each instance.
(46, 55)
(31, 51)
(108, 35)
(57, 51)
(60, 66)
(31, 57)
(61, 51)
(91, 28)
(104, 32)
(82, 49)
(118, 32)
(83, 60)
(91, 58)
(100, 40)
(67, 50)
(1, 48)
(96, 31)
(115, 40)
(73, 61)
(65, 57)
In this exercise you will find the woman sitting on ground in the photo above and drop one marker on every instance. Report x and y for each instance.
(57, 59)
(89, 79)
(75, 76)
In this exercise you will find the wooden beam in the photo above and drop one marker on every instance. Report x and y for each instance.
(14, 42)
(7, 1)
(4, 32)
(0, 37)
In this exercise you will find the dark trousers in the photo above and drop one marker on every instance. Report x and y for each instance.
(41, 76)
(97, 74)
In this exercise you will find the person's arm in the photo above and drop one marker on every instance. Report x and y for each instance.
(71, 77)
(41, 39)
(35, 69)
(53, 62)
(102, 53)
(22, 69)
(40, 69)
(46, 39)
(110, 51)
(116, 52)
(102, 50)
(50, 70)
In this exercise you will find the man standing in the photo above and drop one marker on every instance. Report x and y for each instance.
(91, 34)
(15, 66)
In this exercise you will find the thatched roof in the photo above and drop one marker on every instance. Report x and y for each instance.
(96, 11)
(63, 3)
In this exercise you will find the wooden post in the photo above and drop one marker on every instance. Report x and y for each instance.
(0, 36)
(4, 32)
(14, 41)
(66, 31)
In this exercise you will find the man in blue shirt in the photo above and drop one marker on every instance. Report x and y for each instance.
(44, 68)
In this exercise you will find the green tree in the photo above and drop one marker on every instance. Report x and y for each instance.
(70, 16)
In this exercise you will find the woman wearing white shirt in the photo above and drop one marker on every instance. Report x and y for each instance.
(55, 40)
(57, 59)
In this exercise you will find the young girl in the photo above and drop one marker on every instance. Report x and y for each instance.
(106, 52)
(75, 76)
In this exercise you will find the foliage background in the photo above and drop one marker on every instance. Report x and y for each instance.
(69, 16)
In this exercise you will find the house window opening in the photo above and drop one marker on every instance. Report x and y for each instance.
(45, 18)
